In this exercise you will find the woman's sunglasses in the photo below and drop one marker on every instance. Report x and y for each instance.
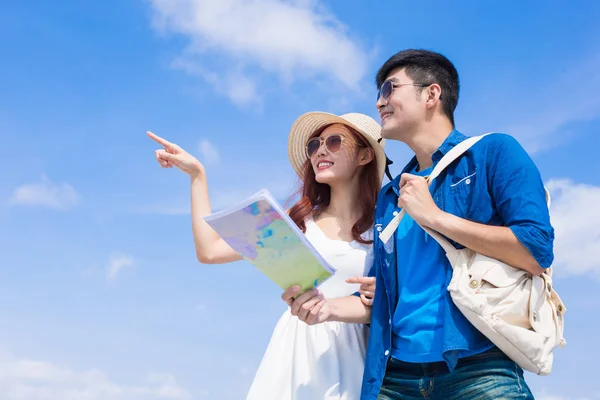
(333, 143)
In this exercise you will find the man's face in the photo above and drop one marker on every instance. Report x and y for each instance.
(402, 112)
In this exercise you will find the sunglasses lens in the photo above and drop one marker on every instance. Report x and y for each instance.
(312, 146)
(386, 90)
(334, 143)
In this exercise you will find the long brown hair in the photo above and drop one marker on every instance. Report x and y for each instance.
(316, 196)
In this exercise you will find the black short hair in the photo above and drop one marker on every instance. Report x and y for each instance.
(424, 66)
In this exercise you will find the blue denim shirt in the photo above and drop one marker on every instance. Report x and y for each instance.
(493, 183)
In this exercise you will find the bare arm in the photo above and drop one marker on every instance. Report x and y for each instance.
(493, 241)
(210, 248)
(312, 308)
(498, 242)
(349, 309)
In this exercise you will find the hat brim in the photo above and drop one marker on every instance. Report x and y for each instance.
(308, 124)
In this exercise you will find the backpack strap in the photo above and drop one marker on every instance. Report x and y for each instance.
(448, 158)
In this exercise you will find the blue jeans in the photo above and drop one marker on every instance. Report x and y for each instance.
(489, 375)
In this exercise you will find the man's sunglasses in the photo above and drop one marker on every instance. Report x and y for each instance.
(385, 91)
(333, 143)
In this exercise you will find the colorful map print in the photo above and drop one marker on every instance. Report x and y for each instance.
(263, 237)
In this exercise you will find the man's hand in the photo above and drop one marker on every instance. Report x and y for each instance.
(367, 288)
(497, 242)
(416, 200)
(310, 307)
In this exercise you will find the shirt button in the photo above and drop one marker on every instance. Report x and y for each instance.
(390, 321)
(378, 229)
(387, 352)
(395, 213)
(468, 181)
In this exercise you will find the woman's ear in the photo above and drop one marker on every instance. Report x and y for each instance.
(365, 156)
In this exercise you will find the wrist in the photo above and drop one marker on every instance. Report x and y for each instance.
(197, 173)
(438, 220)
(333, 312)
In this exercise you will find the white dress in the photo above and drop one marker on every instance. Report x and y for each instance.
(323, 361)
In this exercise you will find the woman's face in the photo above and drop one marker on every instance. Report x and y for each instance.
(339, 156)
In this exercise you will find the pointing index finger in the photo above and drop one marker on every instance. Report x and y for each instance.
(361, 279)
(158, 139)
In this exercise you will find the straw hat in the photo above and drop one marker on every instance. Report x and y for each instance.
(307, 124)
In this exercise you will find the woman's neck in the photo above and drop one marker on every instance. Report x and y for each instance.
(344, 203)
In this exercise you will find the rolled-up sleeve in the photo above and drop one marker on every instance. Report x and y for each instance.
(520, 198)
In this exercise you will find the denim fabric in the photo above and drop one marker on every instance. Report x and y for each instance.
(489, 375)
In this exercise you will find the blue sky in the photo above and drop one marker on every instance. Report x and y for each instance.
(100, 293)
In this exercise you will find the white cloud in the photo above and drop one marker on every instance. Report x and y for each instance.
(209, 153)
(234, 83)
(22, 379)
(58, 196)
(292, 39)
(575, 215)
(116, 264)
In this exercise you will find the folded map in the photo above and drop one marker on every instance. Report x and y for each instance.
(263, 234)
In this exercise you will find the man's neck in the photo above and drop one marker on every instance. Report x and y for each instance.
(426, 140)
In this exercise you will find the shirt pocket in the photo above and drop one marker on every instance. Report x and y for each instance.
(462, 192)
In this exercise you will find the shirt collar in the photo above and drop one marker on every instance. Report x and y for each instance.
(454, 138)
(395, 184)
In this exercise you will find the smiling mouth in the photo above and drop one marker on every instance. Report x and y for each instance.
(385, 116)
(324, 165)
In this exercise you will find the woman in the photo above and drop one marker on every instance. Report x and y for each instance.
(341, 164)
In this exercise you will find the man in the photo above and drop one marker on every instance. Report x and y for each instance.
(491, 200)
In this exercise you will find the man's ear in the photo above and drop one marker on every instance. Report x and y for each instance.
(434, 94)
